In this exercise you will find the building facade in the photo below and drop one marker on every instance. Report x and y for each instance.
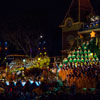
(79, 22)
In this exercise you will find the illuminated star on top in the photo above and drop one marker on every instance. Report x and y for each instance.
(92, 34)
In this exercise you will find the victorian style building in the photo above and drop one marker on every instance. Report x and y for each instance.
(79, 22)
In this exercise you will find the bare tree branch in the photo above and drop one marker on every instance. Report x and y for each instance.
(23, 40)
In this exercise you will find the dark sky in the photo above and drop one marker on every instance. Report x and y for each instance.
(44, 15)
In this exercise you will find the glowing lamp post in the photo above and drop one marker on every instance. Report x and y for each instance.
(39, 61)
(41, 36)
(24, 61)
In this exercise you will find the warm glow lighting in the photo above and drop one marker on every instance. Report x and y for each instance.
(92, 34)
(91, 55)
(39, 58)
(41, 36)
(6, 48)
(24, 60)
(81, 36)
(45, 53)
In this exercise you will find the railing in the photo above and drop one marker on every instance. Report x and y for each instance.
(86, 27)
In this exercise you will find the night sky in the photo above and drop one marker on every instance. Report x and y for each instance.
(43, 15)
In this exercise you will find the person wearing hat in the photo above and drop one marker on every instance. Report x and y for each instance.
(85, 48)
(81, 52)
(69, 65)
(78, 60)
(78, 56)
(89, 51)
(89, 56)
(78, 51)
(74, 60)
(85, 52)
(65, 61)
(86, 60)
(70, 60)
(82, 60)
(79, 48)
(73, 64)
(69, 56)
(95, 55)
(82, 56)
(83, 45)
(76, 64)
(86, 56)
(74, 52)
(87, 43)
(60, 65)
(73, 56)
(93, 60)
(85, 63)
(81, 64)
(97, 59)
(89, 59)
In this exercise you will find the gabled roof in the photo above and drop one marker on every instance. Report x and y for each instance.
(76, 6)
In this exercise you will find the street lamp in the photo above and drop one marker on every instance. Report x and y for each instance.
(24, 61)
(41, 36)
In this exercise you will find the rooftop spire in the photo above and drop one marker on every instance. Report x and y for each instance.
(79, 10)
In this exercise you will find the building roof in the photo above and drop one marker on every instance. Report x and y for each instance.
(74, 12)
